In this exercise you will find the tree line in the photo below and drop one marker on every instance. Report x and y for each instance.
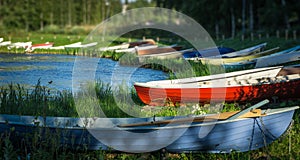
(230, 17)
(34, 15)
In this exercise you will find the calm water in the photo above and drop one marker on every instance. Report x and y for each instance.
(27, 69)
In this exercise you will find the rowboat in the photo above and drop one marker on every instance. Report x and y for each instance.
(239, 58)
(5, 43)
(237, 75)
(134, 49)
(143, 42)
(207, 52)
(251, 63)
(73, 45)
(116, 47)
(167, 55)
(245, 52)
(157, 50)
(79, 45)
(219, 133)
(239, 135)
(219, 59)
(278, 59)
(129, 47)
(1, 39)
(219, 90)
(46, 45)
(20, 45)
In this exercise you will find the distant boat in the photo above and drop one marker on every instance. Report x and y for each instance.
(238, 59)
(251, 63)
(79, 45)
(207, 52)
(278, 59)
(113, 48)
(1, 39)
(46, 45)
(219, 90)
(246, 130)
(168, 55)
(158, 50)
(23, 45)
(5, 43)
(143, 42)
(136, 48)
(218, 59)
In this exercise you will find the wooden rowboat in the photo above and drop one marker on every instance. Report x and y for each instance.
(219, 90)
(238, 131)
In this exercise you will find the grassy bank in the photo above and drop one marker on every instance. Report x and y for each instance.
(42, 101)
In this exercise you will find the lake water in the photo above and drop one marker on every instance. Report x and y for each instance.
(27, 69)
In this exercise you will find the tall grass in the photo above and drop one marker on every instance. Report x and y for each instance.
(42, 101)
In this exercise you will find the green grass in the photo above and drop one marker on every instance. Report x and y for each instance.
(42, 101)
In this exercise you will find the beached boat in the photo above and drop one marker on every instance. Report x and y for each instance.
(251, 63)
(168, 55)
(219, 133)
(116, 47)
(5, 43)
(219, 59)
(219, 90)
(19, 45)
(46, 45)
(278, 60)
(1, 39)
(207, 52)
(238, 59)
(158, 50)
(237, 75)
(134, 49)
(235, 135)
(143, 42)
(79, 45)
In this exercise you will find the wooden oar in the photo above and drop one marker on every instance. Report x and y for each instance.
(247, 113)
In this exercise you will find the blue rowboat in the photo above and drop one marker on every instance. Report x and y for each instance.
(235, 135)
(220, 133)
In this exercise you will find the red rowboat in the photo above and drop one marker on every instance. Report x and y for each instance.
(39, 46)
(220, 90)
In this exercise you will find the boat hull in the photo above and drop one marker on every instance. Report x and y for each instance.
(103, 133)
(247, 93)
(240, 136)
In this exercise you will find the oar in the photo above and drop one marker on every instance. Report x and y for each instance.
(222, 116)
(245, 111)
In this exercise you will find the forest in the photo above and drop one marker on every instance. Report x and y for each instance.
(229, 17)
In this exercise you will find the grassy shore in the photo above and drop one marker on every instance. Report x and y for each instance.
(42, 101)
